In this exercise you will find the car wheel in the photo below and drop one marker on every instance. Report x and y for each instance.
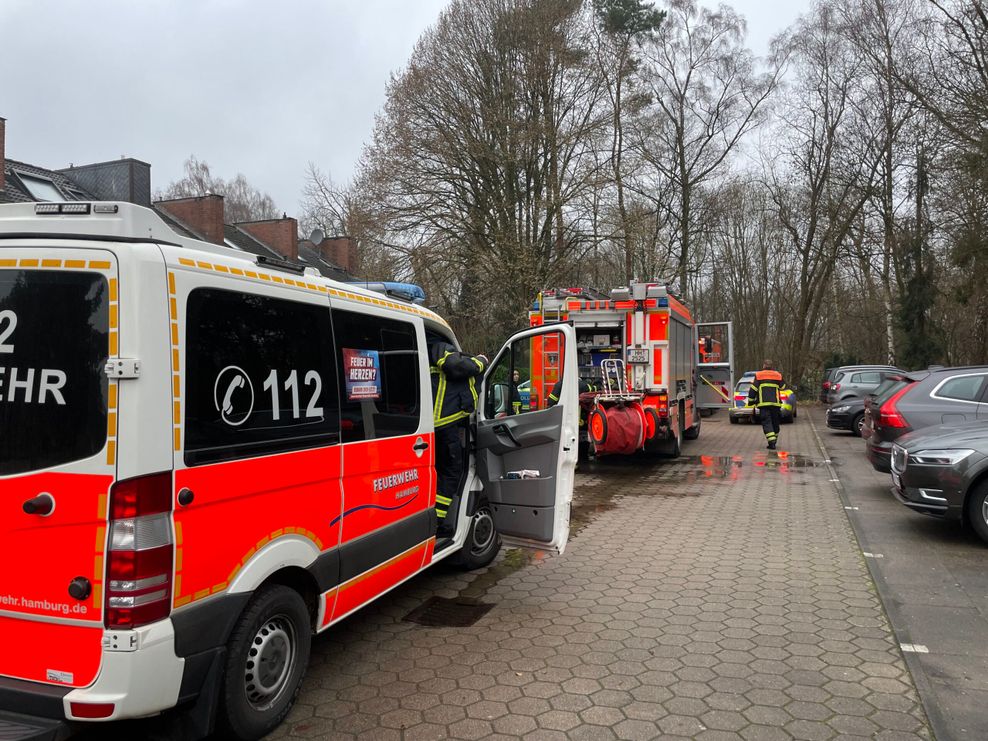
(266, 659)
(977, 510)
(483, 541)
(857, 424)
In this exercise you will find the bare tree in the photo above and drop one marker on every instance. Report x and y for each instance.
(707, 97)
(241, 200)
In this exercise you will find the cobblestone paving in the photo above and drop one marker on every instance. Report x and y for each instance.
(720, 596)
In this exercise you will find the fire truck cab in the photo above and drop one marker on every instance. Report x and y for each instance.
(636, 348)
(207, 457)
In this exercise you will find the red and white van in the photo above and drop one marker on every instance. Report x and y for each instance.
(207, 457)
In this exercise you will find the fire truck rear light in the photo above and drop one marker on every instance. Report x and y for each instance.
(45, 208)
(139, 561)
(135, 585)
(91, 710)
(141, 599)
(147, 495)
(141, 533)
(105, 208)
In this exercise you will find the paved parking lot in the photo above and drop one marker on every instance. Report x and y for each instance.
(931, 576)
(720, 596)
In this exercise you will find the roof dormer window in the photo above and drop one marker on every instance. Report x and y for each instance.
(40, 188)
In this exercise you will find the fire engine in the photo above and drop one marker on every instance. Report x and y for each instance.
(637, 350)
(206, 457)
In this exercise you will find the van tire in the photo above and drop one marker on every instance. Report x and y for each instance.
(483, 541)
(276, 620)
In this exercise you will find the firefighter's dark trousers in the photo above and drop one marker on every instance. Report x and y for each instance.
(771, 419)
(449, 470)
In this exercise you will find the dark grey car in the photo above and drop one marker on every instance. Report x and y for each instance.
(939, 396)
(857, 381)
(943, 471)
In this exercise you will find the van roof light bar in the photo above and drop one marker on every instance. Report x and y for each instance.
(285, 265)
(51, 208)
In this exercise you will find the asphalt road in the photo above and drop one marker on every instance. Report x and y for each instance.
(933, 581)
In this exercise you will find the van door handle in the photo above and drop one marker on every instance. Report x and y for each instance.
(503, 429)
(421, 445)
(43, 505)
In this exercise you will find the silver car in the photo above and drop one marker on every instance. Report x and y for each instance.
(857, 381)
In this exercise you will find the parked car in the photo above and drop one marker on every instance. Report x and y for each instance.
(943, 471)
(847, 415)
(887, 387)
(828, 376)
(739, 403)
(857, 381)
(925, 399)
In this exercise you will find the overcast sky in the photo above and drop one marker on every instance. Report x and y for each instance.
(249, 86)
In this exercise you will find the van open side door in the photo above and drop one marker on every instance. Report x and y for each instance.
(714, 365)
(527, 436)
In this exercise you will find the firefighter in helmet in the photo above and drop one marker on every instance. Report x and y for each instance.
(766, 395)
(454, 398)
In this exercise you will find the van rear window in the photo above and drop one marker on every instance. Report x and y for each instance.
(53, 348)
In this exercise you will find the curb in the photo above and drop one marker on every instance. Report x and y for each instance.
(935, 720)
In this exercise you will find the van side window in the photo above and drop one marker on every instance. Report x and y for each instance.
(260, 377)
(378, 363)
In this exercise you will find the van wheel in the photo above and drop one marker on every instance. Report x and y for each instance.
(483, 541)
(977, 510)
(734, 420)
(266, 659)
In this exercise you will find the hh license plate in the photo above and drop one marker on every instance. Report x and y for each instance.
(637, 355)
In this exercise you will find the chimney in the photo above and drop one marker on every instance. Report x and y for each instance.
(125, 179)
(340, 251)
(3, 160)
(203, 214)
(281, 235)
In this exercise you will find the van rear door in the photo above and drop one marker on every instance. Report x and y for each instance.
(58, 327)
(526, 454)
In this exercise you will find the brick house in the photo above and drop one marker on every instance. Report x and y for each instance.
(200, 217)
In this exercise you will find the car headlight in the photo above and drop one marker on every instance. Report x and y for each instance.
(940, 457)
(841, 408)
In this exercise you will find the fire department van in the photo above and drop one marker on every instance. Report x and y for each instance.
(207, 457)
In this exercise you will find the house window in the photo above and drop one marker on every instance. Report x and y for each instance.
(40, 188)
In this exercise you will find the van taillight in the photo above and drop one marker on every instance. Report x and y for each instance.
(141, 551)
(888, 414)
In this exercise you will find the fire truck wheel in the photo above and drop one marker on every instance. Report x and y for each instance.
(597, 422)
(266, 659)
(483, 541)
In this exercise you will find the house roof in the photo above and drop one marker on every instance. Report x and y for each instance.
(310, 256)
(240, 239)
(15, 190)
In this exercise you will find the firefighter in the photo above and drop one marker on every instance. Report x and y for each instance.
(765, 394)
(584, 387)
(515, 392)
(454, 395)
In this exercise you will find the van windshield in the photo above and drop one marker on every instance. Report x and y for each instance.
(53, 348)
